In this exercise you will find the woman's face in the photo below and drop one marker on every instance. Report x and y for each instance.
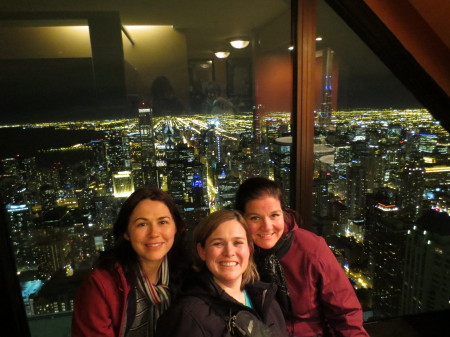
(151, 232)
(265, 220)
(226, 254)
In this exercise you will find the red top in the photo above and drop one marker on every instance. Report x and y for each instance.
(319, 289)
(100, 305)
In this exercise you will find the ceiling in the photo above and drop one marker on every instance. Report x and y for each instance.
(208, 24)
(435, 13)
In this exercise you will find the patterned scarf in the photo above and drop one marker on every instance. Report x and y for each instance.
(270, 269)
(151, 301)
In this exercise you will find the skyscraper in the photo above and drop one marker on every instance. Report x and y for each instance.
(148, 158)
(426, 281)
(385, 237)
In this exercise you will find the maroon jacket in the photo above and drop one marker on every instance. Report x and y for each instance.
(100, 305)
(319, 289)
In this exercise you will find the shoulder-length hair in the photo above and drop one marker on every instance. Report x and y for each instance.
(122, 251)
(208, 225)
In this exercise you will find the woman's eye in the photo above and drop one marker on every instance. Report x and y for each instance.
(275, 215)
(141, 224)
(254, 218)
(239, 243)
(163, 222)
(217, 244)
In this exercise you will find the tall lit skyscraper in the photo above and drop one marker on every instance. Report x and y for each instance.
(326, 99)
(385, 237)
(149, 169)
(282, 165)
(426, 281)
(117, 151)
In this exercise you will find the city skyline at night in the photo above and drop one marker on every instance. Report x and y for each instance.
(367, 174)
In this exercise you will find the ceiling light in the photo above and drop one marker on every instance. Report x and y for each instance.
(205, 65)
(239, 43)
(319, 38)
(222, 54)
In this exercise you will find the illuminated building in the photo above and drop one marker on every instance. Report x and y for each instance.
(135, 158)
(281, 157)
(328, 94)
(20, 224)
(186, 178)
(123, 184)
(385, 236)
(104, 211)
(427, 142)
(426, 281)
(227, 188)
(275, 125)
(320, 197)
(437, 175)
(356, 197)
(117, 152)
(148, 156)
(176, 181)
(412, 188)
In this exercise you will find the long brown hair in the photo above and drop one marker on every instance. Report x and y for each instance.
(208, 225)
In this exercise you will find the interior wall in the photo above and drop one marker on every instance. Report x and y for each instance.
(158, 51)
(273, 80)
(273, 66)
(45, 42)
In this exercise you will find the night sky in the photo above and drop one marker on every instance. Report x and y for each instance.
(364, 81)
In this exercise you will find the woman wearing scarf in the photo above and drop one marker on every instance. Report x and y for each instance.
(313, 290)
(132, 284)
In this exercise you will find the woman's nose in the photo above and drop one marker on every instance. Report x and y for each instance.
(266, 223)
(151, 231)
(229, 249)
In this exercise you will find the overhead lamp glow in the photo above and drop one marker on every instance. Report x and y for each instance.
(239, 43)
(319, 38)
(222, 54)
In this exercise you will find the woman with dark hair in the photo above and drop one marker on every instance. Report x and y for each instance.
(313, 290)
(224, 287)
(129, 287)
(164, 101)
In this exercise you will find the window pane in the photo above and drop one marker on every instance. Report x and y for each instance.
(381, 171)
(98, 104)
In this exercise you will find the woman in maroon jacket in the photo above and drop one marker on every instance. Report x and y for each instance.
(313, 290)
(129, 288)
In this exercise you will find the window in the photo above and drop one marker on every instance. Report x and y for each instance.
(102, 101)
(380, 176)
(99, 101)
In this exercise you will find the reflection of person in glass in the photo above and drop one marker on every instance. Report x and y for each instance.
(227, 279)
(214, 103)
(164, 101)
(313, 290)
(129, 288)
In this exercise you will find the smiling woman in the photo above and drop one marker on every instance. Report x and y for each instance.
(313, 290)
(225, 286)
(129, 289)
